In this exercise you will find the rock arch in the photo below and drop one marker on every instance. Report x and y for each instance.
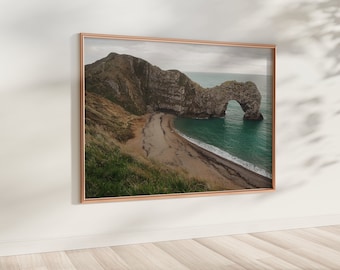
(249, 98)
(213, 102)
(140, 87)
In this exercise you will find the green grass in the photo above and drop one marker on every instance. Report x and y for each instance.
(110, 173)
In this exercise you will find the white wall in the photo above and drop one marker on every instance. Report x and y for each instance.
(39, 121)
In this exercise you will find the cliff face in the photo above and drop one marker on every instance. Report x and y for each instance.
(140, 87)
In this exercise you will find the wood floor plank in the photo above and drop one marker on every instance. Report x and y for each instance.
(310, 249)
(317, 252)
(276, 263)
(313, 248)
(57, 260)
(289, 240)
(280, 253)
(196, 256)
(148, 257)
(109, 259)
(332, 229)
(9, 263)
(241, 253)
(268, 258)
(320, 237)
(31, 262)
(330, 260)
(83, 260)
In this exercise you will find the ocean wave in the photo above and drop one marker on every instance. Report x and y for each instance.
(221, 153)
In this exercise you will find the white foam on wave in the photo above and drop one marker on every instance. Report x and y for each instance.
(221, 153)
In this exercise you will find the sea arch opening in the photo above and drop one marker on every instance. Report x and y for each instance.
(233, 110)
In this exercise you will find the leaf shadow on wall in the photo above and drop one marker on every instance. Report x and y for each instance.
(219, 21)
(316, 22)
(309, 36)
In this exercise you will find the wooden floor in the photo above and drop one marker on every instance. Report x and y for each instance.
(312, 248)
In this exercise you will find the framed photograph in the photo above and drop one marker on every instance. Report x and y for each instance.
(164, 118)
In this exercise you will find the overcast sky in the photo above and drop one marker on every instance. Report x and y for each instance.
(184, 57)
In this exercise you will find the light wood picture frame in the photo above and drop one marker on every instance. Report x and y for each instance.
(170, 118)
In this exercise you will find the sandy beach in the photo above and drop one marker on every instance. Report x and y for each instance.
(155, 139)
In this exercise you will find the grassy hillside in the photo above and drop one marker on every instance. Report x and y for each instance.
(110, 172)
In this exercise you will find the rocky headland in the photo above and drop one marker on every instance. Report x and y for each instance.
(140, 87)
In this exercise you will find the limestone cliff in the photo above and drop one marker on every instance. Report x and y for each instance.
(140, 87)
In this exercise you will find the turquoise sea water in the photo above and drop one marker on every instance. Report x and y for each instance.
(248, 143)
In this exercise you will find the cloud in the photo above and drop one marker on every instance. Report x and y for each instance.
(184, 56)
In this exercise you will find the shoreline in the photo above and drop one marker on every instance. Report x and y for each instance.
(224, 155)
(156, 139)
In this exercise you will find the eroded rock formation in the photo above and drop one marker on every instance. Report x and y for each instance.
(140, 87)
